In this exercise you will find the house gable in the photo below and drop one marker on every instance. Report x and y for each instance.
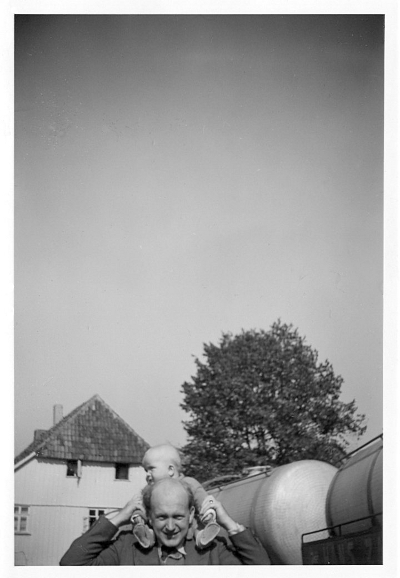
(92, 432)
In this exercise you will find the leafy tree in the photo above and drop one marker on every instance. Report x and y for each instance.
(262, 398)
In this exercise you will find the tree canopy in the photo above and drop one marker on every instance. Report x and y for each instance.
(262, 398)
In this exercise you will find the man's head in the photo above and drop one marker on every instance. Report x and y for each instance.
(161, 462)
(169, 505)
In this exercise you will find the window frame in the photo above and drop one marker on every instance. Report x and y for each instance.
(19, 515)
(92, 517)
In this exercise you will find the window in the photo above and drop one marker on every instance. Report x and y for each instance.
(122, 471)
(21, 515)
(94, 514)
(72, 468)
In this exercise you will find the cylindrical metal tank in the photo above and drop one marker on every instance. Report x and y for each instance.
(279, 508)
(356, 491)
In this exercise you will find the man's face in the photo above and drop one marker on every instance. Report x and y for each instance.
(170, 516)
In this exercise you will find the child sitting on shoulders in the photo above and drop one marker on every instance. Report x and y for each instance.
(164, 461)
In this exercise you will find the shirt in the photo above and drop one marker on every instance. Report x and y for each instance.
(172, 557)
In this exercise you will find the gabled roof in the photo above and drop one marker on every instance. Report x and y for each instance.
(91, 432)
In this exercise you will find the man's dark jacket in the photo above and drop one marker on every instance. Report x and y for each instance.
(96, 548)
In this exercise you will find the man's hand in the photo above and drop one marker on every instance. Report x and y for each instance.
(207, 511)
(124, 515)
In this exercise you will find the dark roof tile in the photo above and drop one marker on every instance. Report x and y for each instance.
(91, 432)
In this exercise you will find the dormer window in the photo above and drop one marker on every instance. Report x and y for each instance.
(122, 471)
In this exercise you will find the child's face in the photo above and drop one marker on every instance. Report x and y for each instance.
(156, 469)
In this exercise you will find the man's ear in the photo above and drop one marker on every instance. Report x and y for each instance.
(191, 514)
(171, 471)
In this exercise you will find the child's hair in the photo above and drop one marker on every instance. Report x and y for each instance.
(167, 452)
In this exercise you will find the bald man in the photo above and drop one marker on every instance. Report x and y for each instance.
(170, 507)
(164, 461)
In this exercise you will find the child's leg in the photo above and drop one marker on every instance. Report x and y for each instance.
(142, 532)
(208, 517)
(205, 513)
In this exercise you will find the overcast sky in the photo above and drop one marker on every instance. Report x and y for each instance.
(177, 177)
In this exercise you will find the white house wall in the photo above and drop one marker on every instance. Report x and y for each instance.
(51, 530)
(45, 482)
(59, 505)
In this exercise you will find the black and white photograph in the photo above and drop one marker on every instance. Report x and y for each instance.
(198, 286)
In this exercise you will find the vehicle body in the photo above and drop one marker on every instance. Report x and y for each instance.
(310, 512)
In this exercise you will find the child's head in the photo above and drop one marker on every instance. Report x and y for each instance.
(161, 462)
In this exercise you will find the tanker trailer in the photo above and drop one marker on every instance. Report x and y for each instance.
(354, 512)
(280, 505)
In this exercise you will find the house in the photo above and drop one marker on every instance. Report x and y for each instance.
(87, 464)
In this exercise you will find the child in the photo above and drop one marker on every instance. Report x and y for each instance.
(163, 461)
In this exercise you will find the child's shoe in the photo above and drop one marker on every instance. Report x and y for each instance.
(207, 534)
(143, 534)
(210, 528)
